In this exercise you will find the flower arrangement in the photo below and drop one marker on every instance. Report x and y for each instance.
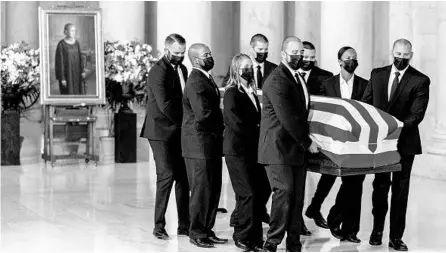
(20, 73)
(127, 65)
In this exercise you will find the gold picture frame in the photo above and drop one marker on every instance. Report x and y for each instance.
(72, 66)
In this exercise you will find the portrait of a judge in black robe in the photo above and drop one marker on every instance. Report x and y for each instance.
(68, 66)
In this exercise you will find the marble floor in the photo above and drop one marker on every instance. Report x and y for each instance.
(75, 207)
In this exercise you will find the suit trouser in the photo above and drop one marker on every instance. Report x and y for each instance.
(400, 194)
(347, 207)
(243, 173)
(288, 185)
(205, 179)
(170, 167)
(323, 188)
(263, 192)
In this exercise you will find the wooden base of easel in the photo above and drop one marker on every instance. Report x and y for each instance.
(51, 119)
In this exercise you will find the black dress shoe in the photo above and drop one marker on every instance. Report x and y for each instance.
(257, 248)
(266, 218)
(318, 219)
(242, 245)
(304, 230)
(337, 233)
(376, 238)
(161, 234)
(221, 210)
(202, 242)
(183, 232)
(351, 238)
(398, 244)
(269, 247)
(294, 249)
(216, 240)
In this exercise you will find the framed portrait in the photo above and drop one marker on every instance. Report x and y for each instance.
(72, 56)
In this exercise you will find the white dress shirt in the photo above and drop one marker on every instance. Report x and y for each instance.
(392, 76)
(255, 64)
(250, 92)
(302, 83)
(180, 74)
(346, 87)
(307, 74)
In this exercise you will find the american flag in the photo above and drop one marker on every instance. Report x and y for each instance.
(354, 134)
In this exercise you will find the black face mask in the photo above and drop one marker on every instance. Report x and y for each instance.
(350, 65)
(295, 61)
(400, 63)
(208, 63)
(307, 65)
(247, 74)
(261, 57)
(175, 60)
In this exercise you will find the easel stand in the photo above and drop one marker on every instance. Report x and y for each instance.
(66, 116)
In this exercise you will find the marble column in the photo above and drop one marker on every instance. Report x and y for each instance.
(438, 138)
(266, 18)
(401, 24)
(22, 22)
(2, 23)
(347, 24)
(123, 21)
(192, 20)
(299, 15)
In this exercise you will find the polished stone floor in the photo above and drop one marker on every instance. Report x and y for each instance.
(75, 207)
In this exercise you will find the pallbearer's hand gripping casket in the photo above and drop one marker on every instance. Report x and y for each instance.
(356, 138)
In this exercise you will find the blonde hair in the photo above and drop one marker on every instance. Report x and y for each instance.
(234, 77)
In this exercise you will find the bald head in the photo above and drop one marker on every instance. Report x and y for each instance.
(198, 51)
(402, 48)
(289, 42)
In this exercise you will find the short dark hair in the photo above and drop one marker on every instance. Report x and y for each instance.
(342, 51)
(258, 38)
(174, 37)
(308, 45)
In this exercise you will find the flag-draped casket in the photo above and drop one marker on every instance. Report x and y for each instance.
(353, 134)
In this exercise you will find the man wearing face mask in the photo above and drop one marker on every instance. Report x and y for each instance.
(284, 139)
(259, 53)
(202, 143)
(162, 127)
(402, 91)
(312, 75)
(347, 208)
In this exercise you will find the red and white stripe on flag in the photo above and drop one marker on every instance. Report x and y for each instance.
(354, 134)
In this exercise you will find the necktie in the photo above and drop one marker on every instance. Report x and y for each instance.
(215, 85)
(303, 74)
(304, 89)
(394, 84)
(259, 77)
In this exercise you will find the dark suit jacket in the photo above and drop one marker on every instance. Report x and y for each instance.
(202, 130)
(315, 80)
(242, 123)
(269, 67)
(283, 127)
(408, 105)
(164, 109)
(332, 87)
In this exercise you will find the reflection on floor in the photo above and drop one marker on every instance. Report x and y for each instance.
(82, 208)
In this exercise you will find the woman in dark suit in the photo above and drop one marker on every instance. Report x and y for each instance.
(241, 116)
